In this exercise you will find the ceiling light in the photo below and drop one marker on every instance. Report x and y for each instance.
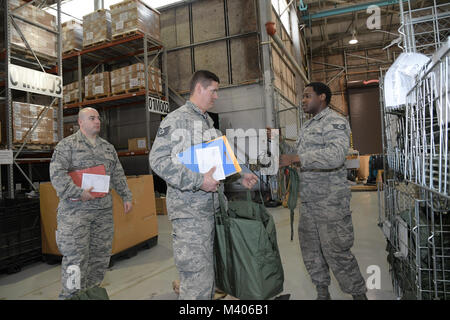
(353, 40)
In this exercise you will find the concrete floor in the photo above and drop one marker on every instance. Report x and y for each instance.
(150, 273)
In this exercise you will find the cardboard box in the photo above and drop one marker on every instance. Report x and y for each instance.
(135, 15)
(161, 207)
(135, 227)
(137, 144)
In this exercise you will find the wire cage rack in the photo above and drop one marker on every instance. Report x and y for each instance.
(419, 243)
(424, 29)
(427, 125)
(414, 198)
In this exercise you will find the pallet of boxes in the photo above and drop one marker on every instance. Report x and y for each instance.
(96, 28)
(72, 36)
(72, 92)
(131, 16)
(24, 116)
(42, 42)
(132, 78)
(97, 86)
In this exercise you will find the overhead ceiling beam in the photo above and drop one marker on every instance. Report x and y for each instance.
(349, 9)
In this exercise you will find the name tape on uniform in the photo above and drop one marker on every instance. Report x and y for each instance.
(158, 106)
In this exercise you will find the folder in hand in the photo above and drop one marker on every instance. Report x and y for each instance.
(228, 162)
(77, 177)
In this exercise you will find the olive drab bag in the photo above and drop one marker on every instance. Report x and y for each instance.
(93, 293)
(247, 261)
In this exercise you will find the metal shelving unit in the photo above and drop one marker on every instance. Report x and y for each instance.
(34, 61)
(415, 199)
(139, 46)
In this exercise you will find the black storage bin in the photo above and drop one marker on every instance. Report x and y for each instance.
(20, 233)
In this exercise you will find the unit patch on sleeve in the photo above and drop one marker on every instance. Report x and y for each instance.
(163, 131)
(339, 126)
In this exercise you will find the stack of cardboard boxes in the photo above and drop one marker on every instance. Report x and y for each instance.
(97, 85)
(24, 117)
(72, 35)
(96, 27)
(134, 15)
(71, 92)
(41, 41)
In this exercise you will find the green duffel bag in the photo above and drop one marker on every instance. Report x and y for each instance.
(247, 261)
(93, 293)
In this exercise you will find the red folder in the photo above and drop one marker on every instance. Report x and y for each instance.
(77, 177)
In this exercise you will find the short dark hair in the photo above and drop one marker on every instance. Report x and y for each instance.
(204, 77)
(320, 88)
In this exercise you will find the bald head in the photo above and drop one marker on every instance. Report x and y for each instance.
(83, 113)
(89, 121)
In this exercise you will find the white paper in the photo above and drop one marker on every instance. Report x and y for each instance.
(119, 25)
(98, 181)
(208, 158)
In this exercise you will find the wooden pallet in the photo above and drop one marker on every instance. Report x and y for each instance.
(96, 44)
(116, 93)
(71, 101)
(29, 56)
(34, 146)
(98, 96)
(66, 53)
(127, 34)
(133, 251)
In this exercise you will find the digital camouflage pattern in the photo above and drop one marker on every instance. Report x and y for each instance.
(190, 209)
(85, 229)
(325, 227)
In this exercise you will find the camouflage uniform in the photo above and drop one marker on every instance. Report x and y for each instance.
(325, 226)
(85, 229)
(190, 209)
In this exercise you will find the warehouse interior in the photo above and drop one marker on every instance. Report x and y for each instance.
(386, 63)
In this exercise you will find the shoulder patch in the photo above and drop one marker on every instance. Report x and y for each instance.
(163, 131)
(339, 126)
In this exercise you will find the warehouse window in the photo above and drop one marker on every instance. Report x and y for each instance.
(280, 8)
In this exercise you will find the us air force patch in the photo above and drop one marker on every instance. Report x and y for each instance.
(339, 126)
(163, 131)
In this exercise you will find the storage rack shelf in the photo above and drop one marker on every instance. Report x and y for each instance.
(136, 46)
(32, 59)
